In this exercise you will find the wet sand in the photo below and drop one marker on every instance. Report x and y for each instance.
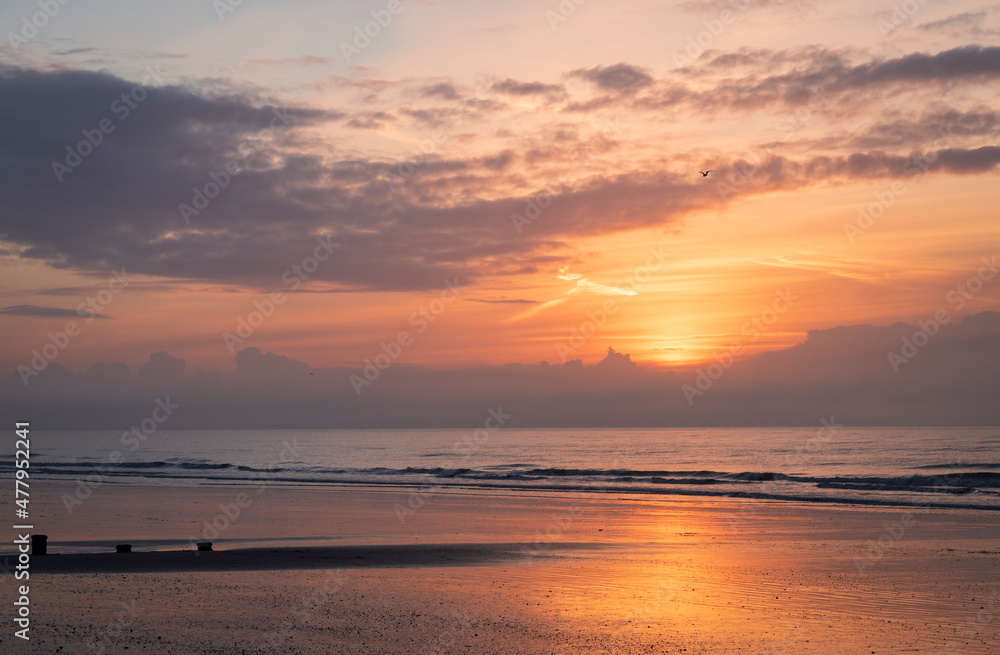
(290, 558)
(469, 573)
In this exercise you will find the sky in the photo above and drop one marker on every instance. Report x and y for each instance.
(457, 187)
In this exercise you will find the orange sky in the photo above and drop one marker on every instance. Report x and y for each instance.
(619, 123)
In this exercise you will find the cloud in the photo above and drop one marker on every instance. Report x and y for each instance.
(75, 51)
(771, 172)
(499, 161)
(252, 364)
(845, 372)
(762, 63)
(442, 90)
(83, 290)
(969, 23)
(445, 218)
(832, 73)
(266, 219)
(371, 120)
(433, 117)
(621, 78)
(44, 312)
(935, 127)
(515, 88)
(978, 160)
(967, 61)
(795, 76)
(942, 123)
(584, 284)
(162, 370)
(108, 376)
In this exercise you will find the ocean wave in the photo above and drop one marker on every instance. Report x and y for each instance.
(957, 465)
(862, 486)
(193, 464)
(945, 484)
(698, 490)
(979, 485)
(764, 476)
(967, 478)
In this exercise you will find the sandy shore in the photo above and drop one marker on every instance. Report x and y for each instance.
(338, 571)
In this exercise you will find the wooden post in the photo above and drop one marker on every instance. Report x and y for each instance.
(39, 544)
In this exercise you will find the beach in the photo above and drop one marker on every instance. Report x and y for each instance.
(379, 327)
(342, 570)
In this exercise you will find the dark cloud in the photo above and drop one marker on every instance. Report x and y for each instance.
(85, 290)
(832, 74)
(970, 61)
(934, 126)
(846, 372)
(515, 88)
(622, 78)
(44, 312)
(595, 104)
(499, 161)
(253, 365)
(371, 120)
(452, 115)
(767, 59)
(978, 160)
(442, 90)
(933, 129)
(162, 370)
(769, 172)
(109, 376)
(806, 76)
(482, 106)
(399, 225)
(59, 291)
(433, 117)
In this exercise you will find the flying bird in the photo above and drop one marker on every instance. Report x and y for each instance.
(704, 173)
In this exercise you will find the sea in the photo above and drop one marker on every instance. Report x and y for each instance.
(947, 467)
